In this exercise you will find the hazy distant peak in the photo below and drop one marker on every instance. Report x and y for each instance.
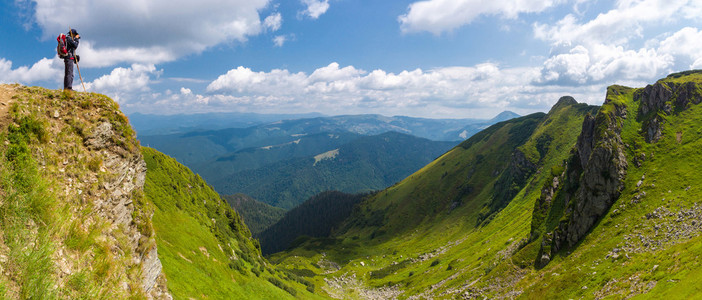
(504, 116)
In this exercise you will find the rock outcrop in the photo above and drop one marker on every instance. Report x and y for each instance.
(117, 204)
(593, 179)
(661, 99)
(602, 181)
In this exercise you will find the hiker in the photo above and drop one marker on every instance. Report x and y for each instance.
(72, 39)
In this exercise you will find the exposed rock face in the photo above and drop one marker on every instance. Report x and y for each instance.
(597, 168)
(655, 98)
(594, 179)
(686, 94)
(602, 180)
(152, 270)
(586, 140)
(129, 174)
(661, 99)
(543, 205)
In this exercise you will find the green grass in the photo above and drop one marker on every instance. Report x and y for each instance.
(410, 238)
(27, 212)
(426, 239)
(205, 248)
(49, 182)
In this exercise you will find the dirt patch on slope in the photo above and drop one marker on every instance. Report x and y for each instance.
(6, 93)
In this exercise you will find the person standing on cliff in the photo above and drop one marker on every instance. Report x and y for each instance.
(72, 39)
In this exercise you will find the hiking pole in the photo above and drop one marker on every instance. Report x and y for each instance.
(81, 77)
(76, 60)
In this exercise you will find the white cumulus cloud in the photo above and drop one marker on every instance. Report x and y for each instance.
(604, 64)
(685, 45)
(442, 92)
(136, 31)
(44, 70)
(604, 49)
(619, 25)
(123, 84)
(437, 16)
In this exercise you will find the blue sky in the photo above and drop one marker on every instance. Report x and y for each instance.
(431, 58)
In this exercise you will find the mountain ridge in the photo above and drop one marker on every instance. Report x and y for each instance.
(595, 202)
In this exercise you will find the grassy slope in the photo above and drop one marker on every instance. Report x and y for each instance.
(205, 248)
(444, 254)
(422, 235)
(671, 182)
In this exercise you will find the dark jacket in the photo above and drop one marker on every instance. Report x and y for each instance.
(71, 46)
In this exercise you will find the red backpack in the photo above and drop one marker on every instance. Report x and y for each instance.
(62, 49)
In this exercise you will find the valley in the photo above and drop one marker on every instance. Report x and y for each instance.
(467, 226)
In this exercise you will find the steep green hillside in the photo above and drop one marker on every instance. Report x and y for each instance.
(257, 215)
(633, 215)
(580, 203)
(316, 217)
(452, 222)
(365, 164)
(205, 248)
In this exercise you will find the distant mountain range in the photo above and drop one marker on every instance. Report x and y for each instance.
(197, 146)
(148, 124)
(298, 157)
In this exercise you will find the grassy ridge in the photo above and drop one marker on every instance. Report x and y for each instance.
(425, 236)
(459, 178)
(411, 240)
(656, 253)
(205, 248)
